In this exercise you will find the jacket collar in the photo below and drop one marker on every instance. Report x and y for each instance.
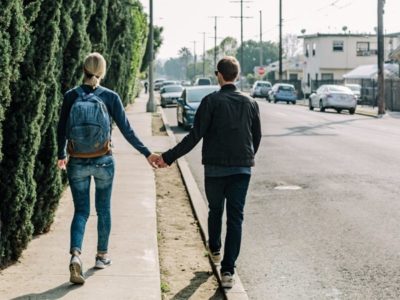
(228, 87)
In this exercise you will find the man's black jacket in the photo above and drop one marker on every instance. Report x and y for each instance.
(229, 123)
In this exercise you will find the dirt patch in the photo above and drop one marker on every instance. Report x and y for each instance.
(185, 269)
(157, 125)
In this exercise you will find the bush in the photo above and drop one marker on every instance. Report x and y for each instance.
(42, 46)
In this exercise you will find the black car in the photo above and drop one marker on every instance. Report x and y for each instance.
(190, 101)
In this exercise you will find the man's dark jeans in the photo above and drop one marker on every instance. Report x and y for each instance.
(234, 189)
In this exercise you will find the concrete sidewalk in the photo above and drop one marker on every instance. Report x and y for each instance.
(42, 272)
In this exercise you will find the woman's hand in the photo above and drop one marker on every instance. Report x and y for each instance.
(62, 164)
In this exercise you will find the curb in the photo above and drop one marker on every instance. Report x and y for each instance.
(201, 212)
(363, 113)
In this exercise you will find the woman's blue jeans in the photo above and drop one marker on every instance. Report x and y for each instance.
(234, 189)
(80, 171)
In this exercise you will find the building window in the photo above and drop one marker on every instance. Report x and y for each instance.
(326, 76)
(364, 49)
(308, 79)
(307, 50)
(293, 77)
(338, 46)
(314, 47)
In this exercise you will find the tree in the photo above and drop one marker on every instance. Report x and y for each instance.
(228, 46)
(24, 119)
(292, 45)
(251, 54)
(156, 46)
(185, 56)
(42, 46)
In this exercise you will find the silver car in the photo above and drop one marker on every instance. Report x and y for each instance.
(260, 89)
(337, 97)
(170, 94)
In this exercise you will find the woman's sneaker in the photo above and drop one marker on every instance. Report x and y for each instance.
(227, 280)
(75, 269)
(102, 262)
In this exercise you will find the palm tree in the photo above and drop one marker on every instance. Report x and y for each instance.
(185, 56)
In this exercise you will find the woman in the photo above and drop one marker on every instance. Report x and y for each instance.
(89, 155)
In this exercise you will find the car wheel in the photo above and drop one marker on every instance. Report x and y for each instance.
(339, 110)
(352, 111)
(163, 105)
(294, 102)
(287, 102)
(321, 106)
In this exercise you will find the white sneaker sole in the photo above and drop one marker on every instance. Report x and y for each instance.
(101, 265)
(75, 271)
(227, 285)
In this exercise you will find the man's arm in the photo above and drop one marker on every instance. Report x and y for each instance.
(256, 128)
(201, 123)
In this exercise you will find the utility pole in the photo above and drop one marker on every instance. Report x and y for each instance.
(204, 53)
(381, 53)
(261, 40)
(151, 106)
(241, 37)
(280, 40)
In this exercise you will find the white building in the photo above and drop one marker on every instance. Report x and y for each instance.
(292, 68)
(330, 56)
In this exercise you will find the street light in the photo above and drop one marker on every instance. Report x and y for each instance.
(151, 105)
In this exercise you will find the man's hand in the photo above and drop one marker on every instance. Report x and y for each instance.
(153, 159)
(161, 163)
(62, 164)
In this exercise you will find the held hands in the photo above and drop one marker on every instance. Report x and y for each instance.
(62, 164)
(156, 161)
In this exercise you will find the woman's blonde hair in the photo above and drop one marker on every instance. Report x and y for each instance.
(94, 69)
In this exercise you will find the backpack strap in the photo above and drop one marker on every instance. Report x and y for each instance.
(98, 91)
(80, 91)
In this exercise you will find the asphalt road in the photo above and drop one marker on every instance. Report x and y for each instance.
(338, 237)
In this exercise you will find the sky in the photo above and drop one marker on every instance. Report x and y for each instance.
(185, 20)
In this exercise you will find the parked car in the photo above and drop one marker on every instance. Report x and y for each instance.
(260, 89)
(356, 89)
(170, 94)
(202, 81)
(168, 82)
(190, 101)
(283, 92)
(158, 83)
(337, 97)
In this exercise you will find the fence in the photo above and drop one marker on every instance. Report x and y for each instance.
(369, 92)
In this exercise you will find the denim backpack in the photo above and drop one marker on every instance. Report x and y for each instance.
(88, 127)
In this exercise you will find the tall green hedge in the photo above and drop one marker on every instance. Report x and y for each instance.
(42, 46)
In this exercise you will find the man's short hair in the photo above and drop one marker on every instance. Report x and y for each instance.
(229, 68)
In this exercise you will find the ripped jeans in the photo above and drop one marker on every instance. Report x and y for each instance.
(80, 171)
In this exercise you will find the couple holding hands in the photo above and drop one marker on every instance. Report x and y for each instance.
(228, 121)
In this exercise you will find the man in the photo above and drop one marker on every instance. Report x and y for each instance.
(229, 123)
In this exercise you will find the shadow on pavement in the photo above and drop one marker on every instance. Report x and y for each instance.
(195, 283)
(57, 292)
(309, 130)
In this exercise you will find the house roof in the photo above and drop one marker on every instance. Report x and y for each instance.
(316, 35)
(371, 71)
